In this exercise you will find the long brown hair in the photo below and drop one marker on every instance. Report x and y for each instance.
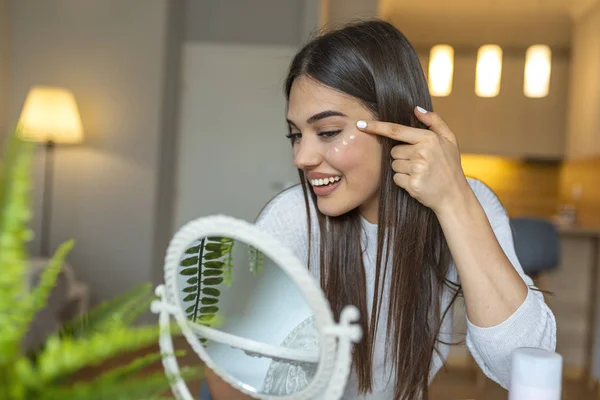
(373, 62)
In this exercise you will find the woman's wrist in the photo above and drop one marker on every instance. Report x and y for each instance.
(460, 203)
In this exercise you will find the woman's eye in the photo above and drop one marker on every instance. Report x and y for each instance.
(293, 136)
(329, 134)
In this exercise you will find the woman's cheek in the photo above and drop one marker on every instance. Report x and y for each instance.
(348, 150)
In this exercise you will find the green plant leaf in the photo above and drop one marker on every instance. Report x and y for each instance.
(192, 281)
(212, 272)
(119, 311)
(37, 299)
(190, 309)
(190, 297)
(129, 370)
(209, 301)
(193, 250)
(189, 271)
(206, 318)
(213, 255)
(190, 289)
(212, 281)
(219, 239)
(209, 310)
(146, 387)
(61, 357)
(214, 264)
(188, 262)
(14, 233)
(211, 292)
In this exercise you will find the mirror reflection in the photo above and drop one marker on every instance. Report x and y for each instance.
(263, 334)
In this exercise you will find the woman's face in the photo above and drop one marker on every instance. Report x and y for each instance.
(341, 163)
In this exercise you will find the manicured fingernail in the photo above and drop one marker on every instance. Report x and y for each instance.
(361, 124)
(422, 110)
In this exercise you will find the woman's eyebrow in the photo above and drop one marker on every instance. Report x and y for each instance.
(319, 116)
(325, 114)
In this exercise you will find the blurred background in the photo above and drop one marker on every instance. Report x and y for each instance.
(177, 112)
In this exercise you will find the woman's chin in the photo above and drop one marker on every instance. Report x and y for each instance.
(331, 210)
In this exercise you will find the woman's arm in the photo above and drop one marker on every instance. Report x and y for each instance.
(532, 324)
(493, 289)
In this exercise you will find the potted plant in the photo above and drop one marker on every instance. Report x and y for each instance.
(106, 331)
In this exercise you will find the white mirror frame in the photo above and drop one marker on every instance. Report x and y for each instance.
(336, 340)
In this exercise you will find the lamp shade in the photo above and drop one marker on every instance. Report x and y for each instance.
(50, 114)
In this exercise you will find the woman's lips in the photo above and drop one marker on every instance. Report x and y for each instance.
(327, 189)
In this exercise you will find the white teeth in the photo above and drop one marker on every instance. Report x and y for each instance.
(326, 181)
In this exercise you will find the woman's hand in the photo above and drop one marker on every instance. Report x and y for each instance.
(428, 165)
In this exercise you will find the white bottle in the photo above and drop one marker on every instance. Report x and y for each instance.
(535, 375)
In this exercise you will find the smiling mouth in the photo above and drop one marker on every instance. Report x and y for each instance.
(325, 187)
(325, 182)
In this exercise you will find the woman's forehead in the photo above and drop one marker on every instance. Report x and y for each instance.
(309, 97)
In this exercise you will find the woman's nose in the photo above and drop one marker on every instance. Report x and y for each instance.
(308, 154)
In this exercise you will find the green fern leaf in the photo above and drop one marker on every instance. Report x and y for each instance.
(190, 297)
(214, 264)
(38, 298)
(189, 271)
(212, 281)
(193, 250)
(212, 272)
(113, 313)
(211, 292)
(132, 389)
(61, 357)
(14, 215)
(188, 262)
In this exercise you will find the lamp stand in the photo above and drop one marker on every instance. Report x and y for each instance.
(47, 199)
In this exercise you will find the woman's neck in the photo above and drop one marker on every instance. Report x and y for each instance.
(370, 210)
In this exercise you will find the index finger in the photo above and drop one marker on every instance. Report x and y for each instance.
(398, 132)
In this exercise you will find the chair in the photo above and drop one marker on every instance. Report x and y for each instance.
(537, 245)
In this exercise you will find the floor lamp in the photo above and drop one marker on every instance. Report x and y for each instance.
(50, 116)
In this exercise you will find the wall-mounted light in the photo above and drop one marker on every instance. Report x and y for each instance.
(489, 71)
(441, 70)
(537, 71)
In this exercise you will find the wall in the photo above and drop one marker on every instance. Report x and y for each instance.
(232, 154)
(510, 124)
(583, 138)
(585, 174)
(338, 12)
(240, 21)
(4, 62)
(524, 188)
(112, 55)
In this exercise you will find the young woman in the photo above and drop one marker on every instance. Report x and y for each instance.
(386, 220)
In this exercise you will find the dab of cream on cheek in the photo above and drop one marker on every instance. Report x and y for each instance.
(338, 149)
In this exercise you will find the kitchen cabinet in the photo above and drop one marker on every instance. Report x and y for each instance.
(510, 124)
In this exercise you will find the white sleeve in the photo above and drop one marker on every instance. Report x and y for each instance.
(531, 325)
(285, 218)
